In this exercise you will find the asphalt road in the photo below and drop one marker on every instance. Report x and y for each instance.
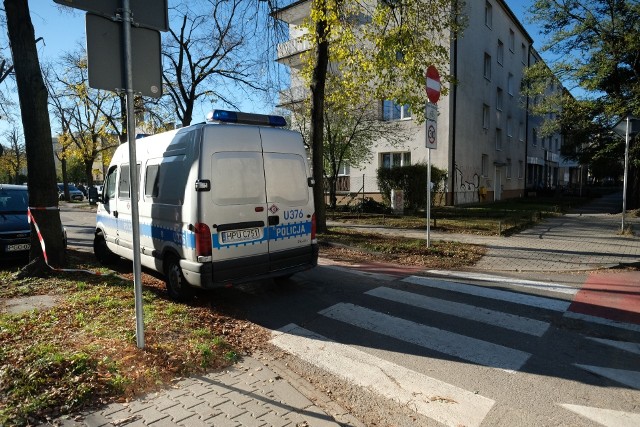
(425, 351)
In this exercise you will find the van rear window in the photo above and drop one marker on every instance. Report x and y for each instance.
(286, 176)
(237, 178)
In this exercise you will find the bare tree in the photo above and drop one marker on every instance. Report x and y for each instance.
(208, 54)
(6, 68)
(32, 95)
(90, 118)
(14, 156)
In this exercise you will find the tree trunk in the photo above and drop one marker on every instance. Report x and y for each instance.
(318, 81)
(333, 198)
(32, 93)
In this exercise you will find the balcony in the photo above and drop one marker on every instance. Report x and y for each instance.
(293, 95)
(289, 52)
(343, 184)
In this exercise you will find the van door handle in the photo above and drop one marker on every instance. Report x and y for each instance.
(273, 220)
(115, 214)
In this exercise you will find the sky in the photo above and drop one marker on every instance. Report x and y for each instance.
(63, 29)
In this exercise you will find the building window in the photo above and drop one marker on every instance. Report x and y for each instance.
(392, 160)
(499, 100)
(485, 165)
(508, 172)
(509, 127)
(344, 169)
(487, 66)
(523, 49)
(488, 15)
(544, 142)
(521, 131)
(557, 144)
(520, 169)
(510, 84)
(535, 137)
(486, 112)
(500, 55)
(498, 139)
(394, 111)
(512, 40)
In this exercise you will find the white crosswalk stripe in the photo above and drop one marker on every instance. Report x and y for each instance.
(530, 300)
(606, 417)
(631, 347)
(407, 386)
(463, 347)
(478, 314)
(623, 376)
(430, 397)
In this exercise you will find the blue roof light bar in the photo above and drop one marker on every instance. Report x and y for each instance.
(225, 116)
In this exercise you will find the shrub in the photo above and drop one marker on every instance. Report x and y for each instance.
(412, 181)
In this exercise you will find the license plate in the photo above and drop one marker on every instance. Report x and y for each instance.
(239, 236)
(19, 247)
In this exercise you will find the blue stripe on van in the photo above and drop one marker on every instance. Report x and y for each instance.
(184, 238)
(187, 239)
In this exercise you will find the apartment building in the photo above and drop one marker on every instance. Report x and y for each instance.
(486, 141)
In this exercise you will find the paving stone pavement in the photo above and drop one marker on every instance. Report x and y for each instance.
(589, 238)
(252, 393)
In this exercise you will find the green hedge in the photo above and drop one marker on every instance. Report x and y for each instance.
(412, 180)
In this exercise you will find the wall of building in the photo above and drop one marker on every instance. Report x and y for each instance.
(484, 133)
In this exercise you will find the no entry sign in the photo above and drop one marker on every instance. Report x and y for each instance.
(433, 84)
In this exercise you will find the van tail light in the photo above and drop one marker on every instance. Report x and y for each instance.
(313, 226)
(203, 239)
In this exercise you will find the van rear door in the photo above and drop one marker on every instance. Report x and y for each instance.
(236, 206)
(289, 198)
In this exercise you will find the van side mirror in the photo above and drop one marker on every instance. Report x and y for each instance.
(311, 182)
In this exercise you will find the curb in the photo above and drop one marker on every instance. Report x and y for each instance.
(340, 414)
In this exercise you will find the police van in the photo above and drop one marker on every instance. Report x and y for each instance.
(222, 202)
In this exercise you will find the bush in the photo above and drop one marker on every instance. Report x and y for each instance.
(412, 181)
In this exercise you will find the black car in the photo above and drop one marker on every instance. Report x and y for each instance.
(15, 230)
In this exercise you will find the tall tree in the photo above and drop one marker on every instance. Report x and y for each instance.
(595, 50)
(206, 53)
(90, 118)
(32, 95)
(6, 68)
(352, 126)
(381, 48)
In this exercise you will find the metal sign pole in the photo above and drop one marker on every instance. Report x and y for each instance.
(428, 198)
(133, 172)
(626, 163)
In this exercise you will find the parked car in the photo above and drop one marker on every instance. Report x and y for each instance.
(15, 231)
(74, 193)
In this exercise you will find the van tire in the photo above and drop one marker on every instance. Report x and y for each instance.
(101, 250)
(177, 285)
(282, 280)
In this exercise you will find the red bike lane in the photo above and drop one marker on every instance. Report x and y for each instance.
(610, 295)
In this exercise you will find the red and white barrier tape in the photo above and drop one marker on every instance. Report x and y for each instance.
(31, 219)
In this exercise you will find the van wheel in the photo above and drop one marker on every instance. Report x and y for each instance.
(282, 280)
(101, 250)
(177, 285)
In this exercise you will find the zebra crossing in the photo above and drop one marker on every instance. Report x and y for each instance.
(428, 395)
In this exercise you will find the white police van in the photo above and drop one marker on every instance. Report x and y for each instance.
(222, 202)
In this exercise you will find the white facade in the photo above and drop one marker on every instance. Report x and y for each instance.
(484, 132)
